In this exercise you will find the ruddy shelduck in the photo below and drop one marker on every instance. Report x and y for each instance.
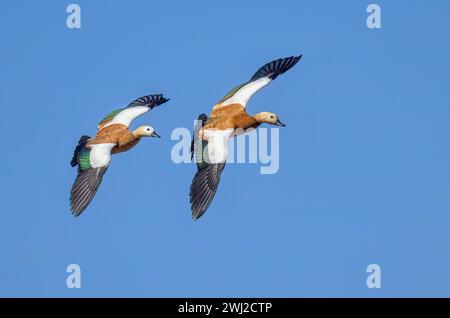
(227, 116)
(93, 155)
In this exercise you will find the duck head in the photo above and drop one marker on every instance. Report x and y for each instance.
(145, 131)
(269, 118)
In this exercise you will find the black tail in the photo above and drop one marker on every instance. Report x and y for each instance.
(275, 68)
(81, 144)
(203, 118)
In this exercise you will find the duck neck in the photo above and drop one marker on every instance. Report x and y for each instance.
(126, 143)
(129, 138)
(135, 135)
(253, 122)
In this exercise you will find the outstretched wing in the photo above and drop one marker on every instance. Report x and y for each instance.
(211, 158)
(204, 187)
(135, 109)
(241, 94)
(92, 165)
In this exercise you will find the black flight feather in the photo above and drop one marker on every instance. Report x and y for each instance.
(276, 67)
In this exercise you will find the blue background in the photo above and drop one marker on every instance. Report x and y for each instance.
(365, 158)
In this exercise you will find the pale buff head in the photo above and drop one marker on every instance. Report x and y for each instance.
(145, 131)
(268, 118)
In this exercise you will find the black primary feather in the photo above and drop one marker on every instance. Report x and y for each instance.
(84, 188)
(276, 67)
(204, 187)
(150, 101)
(81, 144)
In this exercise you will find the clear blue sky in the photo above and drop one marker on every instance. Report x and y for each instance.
(365, 157)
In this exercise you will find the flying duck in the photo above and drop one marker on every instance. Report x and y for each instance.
(210, 137)
(93, 155)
